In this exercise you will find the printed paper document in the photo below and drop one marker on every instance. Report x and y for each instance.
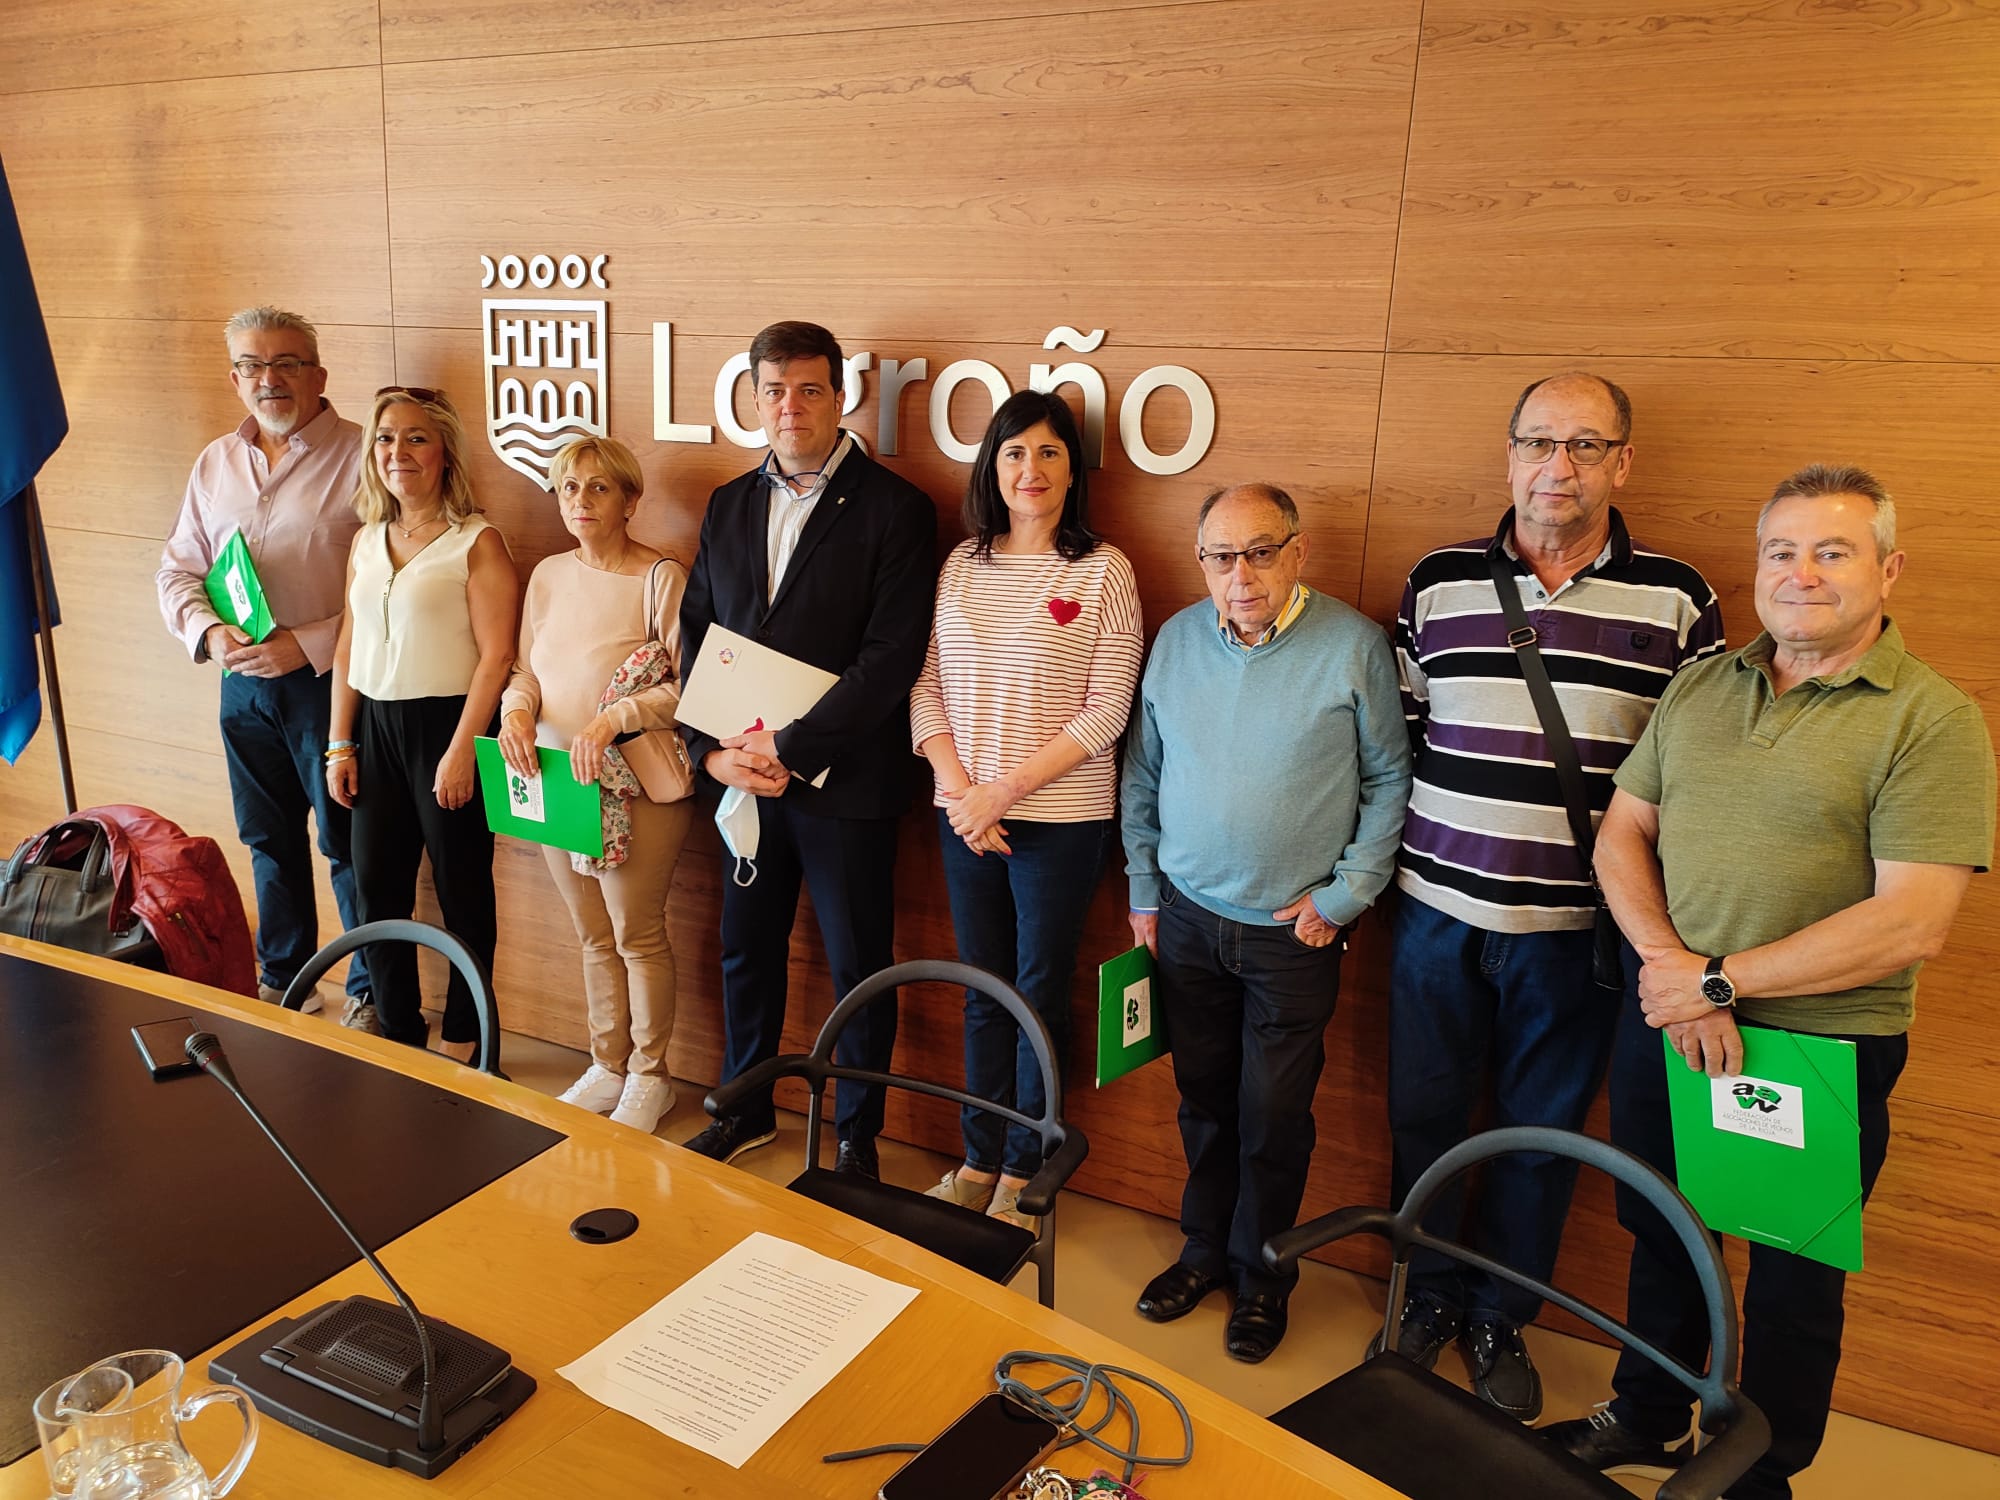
(725, 1360)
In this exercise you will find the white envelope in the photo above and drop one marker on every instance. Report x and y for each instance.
(736, 686)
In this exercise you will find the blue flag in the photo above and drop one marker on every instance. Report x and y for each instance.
(32, 426)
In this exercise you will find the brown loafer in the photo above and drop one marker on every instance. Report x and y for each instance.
(1256, 1326)
(1175, 1292)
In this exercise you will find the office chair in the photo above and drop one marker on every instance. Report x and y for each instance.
(403, 930)
(991, 1247)
(1428, 1439)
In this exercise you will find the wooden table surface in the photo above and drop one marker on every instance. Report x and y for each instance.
(502, 1264)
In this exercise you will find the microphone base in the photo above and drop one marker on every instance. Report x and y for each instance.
(257, 1366)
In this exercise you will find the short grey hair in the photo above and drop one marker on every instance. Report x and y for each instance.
(269, 319)
(1816, 480)
(1287, 507)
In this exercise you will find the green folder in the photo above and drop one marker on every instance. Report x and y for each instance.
(1774, 1155)
(235, 590)
(1130, 1032)
(552, 808)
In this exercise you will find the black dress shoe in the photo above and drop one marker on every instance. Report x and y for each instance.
(732, 1135)
(1256, 1326)
(1175, 1292)
(857, 1159)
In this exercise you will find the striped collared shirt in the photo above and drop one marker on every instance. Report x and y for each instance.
(1286, 618)
(1486, 839)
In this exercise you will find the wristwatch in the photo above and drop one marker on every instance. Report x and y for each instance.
(1715, 986)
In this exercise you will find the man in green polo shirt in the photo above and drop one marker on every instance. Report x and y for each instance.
(1789, 842)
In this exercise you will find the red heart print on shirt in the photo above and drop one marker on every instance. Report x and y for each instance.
(754, 728)
(1064, 610)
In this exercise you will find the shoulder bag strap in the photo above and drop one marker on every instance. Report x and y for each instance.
(1555, 730)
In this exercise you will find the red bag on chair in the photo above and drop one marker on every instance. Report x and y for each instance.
(177, 884)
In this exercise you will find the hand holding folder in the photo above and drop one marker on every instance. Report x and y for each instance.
(236, 593)
(1774, 1153)
(553, 808)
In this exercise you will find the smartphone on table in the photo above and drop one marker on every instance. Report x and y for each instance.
(983, 1454)
(163, 1046)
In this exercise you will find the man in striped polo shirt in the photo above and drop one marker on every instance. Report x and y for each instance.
(1490, 970)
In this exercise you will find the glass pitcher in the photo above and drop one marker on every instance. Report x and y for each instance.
(112, 1432)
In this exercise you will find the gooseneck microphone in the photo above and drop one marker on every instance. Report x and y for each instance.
(204, 1050)
(342, 1372)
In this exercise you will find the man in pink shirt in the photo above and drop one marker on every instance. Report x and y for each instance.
(285, 479)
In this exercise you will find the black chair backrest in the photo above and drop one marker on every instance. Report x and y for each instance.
(819, 1065)
(403, 930)
(1715, 1389)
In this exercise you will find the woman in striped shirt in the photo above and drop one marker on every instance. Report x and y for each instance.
(1034, 656)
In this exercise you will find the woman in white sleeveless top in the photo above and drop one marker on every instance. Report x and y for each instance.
(587, 612)
(425, 645)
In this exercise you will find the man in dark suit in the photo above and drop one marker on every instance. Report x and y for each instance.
(822, 554)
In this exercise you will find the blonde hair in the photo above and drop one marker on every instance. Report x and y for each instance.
(613, 457)
(374, 502)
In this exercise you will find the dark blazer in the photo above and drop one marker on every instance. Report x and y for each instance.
(855, 600)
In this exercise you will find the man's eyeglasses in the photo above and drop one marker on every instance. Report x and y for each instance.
(1586, 453)
(1260, 557)
(284, 364)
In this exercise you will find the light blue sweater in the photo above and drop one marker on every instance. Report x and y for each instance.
(1253, 777)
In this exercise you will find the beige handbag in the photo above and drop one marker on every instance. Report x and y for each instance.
(658, 757)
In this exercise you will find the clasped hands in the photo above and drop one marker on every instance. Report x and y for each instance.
(1671, 1000)
(975, 812)
(749, 761)
(277, 655)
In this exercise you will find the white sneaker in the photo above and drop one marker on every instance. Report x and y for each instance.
(645, 1100)
(596, 1091)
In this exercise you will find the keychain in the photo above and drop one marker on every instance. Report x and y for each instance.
(1044, 1484)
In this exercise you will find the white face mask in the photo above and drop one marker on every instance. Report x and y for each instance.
(736, 816)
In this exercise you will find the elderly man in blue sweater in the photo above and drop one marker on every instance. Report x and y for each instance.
(1264, 789)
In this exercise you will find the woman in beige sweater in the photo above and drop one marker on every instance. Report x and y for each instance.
(586, 612)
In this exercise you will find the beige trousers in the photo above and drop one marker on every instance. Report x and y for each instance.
(628, 961)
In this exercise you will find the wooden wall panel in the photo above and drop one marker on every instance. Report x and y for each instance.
(187, 200)
(1077, 186)
(428, 30)
(58, 44)
(1219, 183)
(1773, 180)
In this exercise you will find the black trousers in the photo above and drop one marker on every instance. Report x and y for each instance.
(1246, 1010)
(849, 866)
(397, 821)
(1792, 1314)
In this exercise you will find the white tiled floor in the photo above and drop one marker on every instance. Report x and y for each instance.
(1107, 1253)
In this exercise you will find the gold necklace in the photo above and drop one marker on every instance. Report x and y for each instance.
(624, 551)
(410, 531)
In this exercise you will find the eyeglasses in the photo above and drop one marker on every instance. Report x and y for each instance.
(1585, 453)
(416, 393)
(1260, 557)
(284, 364)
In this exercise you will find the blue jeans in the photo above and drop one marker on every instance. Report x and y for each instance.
(1521, 1006)
(274, 740)
(1018, 916)
(1246, 1009)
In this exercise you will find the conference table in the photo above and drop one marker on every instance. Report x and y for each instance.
(499, 1262)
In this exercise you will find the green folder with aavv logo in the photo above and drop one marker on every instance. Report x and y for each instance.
(1774, 1154)
(552, 808)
